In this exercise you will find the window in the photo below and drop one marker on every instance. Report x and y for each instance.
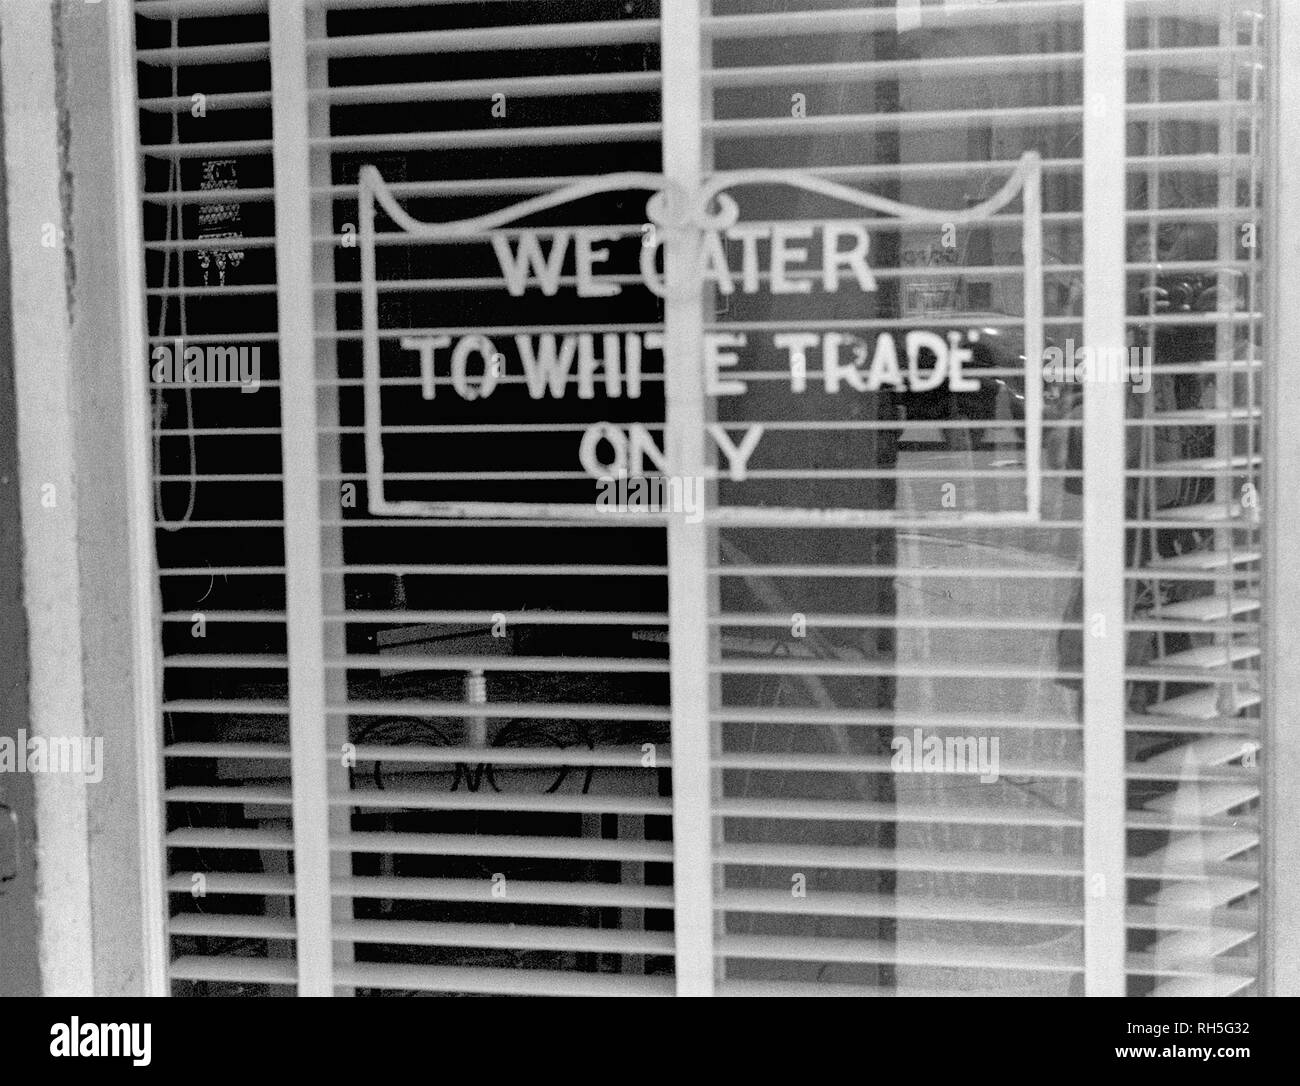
(438, 717)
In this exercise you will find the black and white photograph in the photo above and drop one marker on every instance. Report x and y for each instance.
(591, 498)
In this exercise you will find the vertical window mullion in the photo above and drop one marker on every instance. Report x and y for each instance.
(1281, 515)
(1104, 441)
(304, 611)
(146, 618)
(689, 648)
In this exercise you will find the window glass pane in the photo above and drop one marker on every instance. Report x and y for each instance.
(847, 856)
(899, 746)
(1192, 549)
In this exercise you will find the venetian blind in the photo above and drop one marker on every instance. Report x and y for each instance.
(412, 753)
(204, 78)
(848, 861)
(1192, 545)
(508, 828)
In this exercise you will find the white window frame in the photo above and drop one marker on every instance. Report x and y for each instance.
(1280, 636)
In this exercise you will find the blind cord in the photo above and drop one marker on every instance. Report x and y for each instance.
(159, 408)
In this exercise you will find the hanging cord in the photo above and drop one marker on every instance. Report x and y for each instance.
(174, 187)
